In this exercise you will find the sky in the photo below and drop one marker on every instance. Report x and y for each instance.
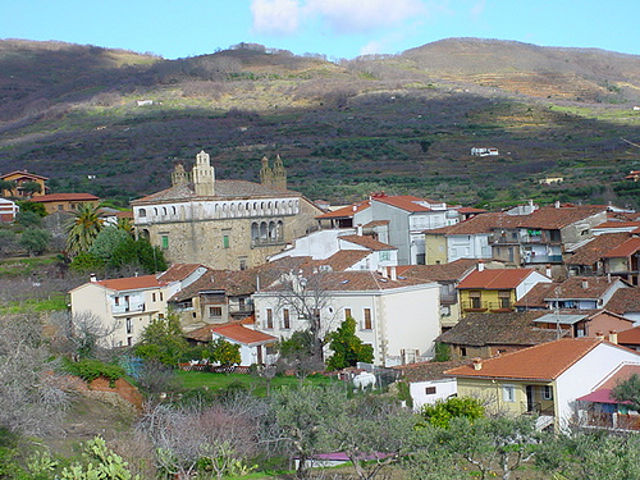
(335, 28)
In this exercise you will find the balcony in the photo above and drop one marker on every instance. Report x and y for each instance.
(482, 306)
(127, 308)
(531, 259)
(539, 408)
(266, 242)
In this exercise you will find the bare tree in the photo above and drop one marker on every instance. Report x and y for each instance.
(218, 438)
(32, 400)
(82, 335)
(308, 297)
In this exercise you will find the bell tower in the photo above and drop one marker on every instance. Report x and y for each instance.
(203, 175)
(279, 174)
(266, 175)
(179, 176)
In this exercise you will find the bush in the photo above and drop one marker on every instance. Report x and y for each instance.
(90, 369)
(35, 240)
(27, 219)
(441, 413)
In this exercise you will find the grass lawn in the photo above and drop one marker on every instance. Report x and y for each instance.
(54, 302)
(215, 381)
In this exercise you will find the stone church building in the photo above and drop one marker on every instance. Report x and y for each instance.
(224, 224)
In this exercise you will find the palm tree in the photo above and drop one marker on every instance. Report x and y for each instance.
(125, 225)
(83, 230)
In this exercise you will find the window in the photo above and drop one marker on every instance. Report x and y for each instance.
(243, 264)
(269, 318)
(129, 341)
(463, 351)
(60, 207)
(367, 319)
(547, 392)
(286, 324)
(116, 301)
(215, 311)
(504, 297)
(225, 241)
(153, 297)
(161, 297)
(508, 393)
(430, 390)
(347, 313)
(475, 300)
(129, 326)
(142, 212)
(384, 256)
(165, 241)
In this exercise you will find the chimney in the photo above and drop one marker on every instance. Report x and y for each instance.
(394, 276)
(359, 230)
(135, 274)
(585, 284)
(93, 278)
(600, 335)
(353, 208)
(547, 271)
(477, 364)
(608, 278)
(613, 336)
(481, 267)
(556, 204)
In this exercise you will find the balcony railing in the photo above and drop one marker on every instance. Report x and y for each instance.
(482, 306)
(127, 308)
(266, 242)
(543, 259)
(538, 408)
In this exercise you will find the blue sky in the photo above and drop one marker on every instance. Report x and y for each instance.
(336, 28)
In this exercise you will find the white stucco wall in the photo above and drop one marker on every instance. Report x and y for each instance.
(583, 376)
(403, 318)
(468, 246)
(444, 389)
(528, 283)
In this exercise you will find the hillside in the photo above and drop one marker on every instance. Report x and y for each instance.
(402, 123)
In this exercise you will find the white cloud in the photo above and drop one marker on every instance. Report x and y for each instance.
(478, 8)
(346, 16)
(372, 47)
(280, 17)
(342, 16)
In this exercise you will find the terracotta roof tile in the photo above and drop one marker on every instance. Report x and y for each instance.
(179, 271)
(494, 279)
(630, 337)
(405, 202)
(574, 287)
(132, 283)
(344, 259)
(535, 297)
(367, 242)
(445, 272)
(512, 328)
(233, 331)
(479, 224)
(617, 224)
(376, 223)
(25, 173)
(546, 361)
(223, 189)
(625, 300)
(593, 251)
(625, 249)
(65, 197)
(346, 212)
(359, 280)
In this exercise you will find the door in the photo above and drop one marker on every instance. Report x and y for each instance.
(530, 398)
(259, 350)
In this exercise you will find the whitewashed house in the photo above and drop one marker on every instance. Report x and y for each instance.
(397, 316)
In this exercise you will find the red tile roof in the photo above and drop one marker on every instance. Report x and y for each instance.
(367, 242)
(580, 287)
(233, 331)
(630, 337)
(617, 224)
(546, 361)
(65, 197)
(625, 300)
(445, 272)
(132, 283)
(626, 249)
(179, 271)
(346, 212)
(344, 259)
(495, 279)
(405, 202)
(25, 173)
(479, 224)
(471, 210)
(593, 251)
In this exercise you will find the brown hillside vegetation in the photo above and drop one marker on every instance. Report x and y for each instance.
(403, 124)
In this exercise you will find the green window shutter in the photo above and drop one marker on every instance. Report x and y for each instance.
(165, 241)
(225, 241)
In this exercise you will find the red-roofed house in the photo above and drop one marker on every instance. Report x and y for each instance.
(255, 346)
(624, 260)
(19, 179)
(497, 289)
(409, 217)
(54, 202)
(350, 216)
(546, 379)
(600, 409)
(630, 338)
(123, 307)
